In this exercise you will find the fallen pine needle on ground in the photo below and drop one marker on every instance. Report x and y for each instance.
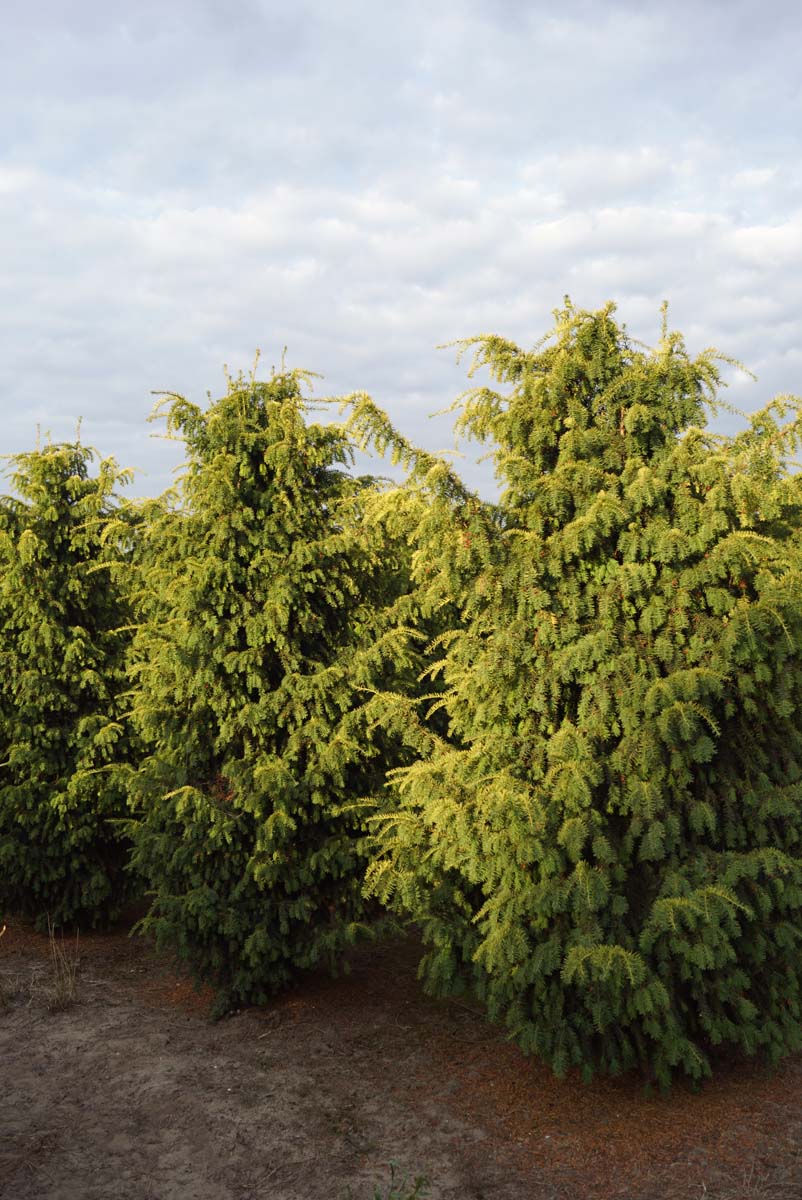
(353, 1089)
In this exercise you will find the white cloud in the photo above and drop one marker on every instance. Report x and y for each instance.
(360, 185)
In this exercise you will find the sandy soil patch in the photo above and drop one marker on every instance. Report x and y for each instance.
(132, 1093)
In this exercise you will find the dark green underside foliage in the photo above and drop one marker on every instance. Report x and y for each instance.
(245, 906)
(607, 846)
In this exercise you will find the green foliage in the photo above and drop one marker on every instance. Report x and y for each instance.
(62, 665)
(266, 602)
(605, 847)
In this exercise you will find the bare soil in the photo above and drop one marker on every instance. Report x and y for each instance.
(132, 1093)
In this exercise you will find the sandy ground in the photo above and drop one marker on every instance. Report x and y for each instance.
(131, 1093)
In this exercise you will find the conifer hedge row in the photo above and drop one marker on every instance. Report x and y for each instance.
(560, 732)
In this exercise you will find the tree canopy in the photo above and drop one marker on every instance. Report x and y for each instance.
(605, 847)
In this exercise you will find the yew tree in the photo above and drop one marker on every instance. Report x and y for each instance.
(605, 846)
(63, 638)
(262, 600)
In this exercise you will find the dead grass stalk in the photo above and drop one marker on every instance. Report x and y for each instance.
(65, 965)
(4, 1000)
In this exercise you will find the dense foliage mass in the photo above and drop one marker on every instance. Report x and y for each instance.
(606, 847)
(62, 666)
(262, 600)
(594, 808)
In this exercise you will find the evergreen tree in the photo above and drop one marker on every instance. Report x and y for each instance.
(606, 845)
(262, 604)
(62, 665)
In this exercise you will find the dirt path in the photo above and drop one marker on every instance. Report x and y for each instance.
(132, 1094)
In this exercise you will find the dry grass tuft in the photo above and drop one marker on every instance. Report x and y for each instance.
(65, 962)
(4, 998)
(781, 1180)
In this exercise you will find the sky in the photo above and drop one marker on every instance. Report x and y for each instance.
(186, 181)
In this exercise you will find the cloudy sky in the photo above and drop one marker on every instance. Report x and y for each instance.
(184, 181)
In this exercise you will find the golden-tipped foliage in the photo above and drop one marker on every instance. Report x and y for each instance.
(606, 846)
(263, 605)
(62, 665)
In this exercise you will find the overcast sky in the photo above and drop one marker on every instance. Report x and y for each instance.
(184, 181)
